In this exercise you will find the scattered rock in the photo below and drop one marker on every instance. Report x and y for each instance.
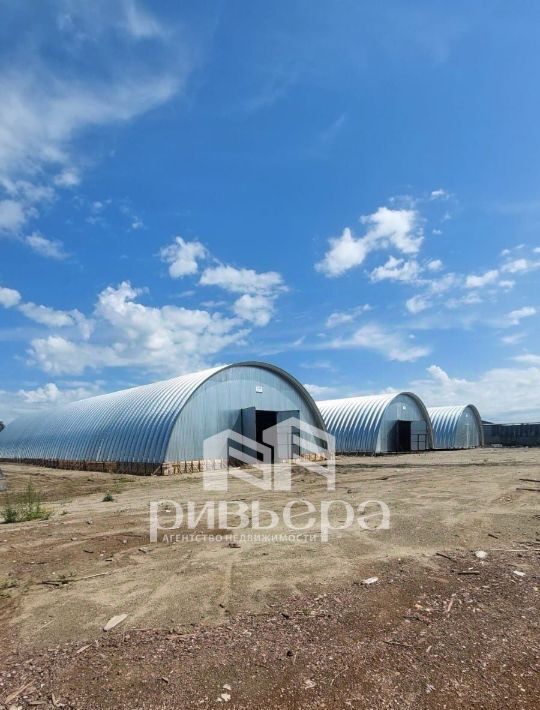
(114, 621)
(370, 580)
(518, 573)
(234, 544)
(481, 554)
(308, 683)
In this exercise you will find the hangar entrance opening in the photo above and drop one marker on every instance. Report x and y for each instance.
(256, 421)
(410, 435)
(403, 436)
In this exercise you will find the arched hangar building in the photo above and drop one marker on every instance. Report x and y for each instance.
(143, 429)
(377, 424)
(457, 427)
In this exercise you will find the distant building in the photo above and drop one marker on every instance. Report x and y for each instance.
(526, 434)
(456, 427)
(378, 424)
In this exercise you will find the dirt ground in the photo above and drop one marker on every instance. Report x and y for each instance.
(289, 624)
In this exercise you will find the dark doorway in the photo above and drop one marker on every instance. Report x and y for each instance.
(403, 436)
(254, 422)
(264, 419)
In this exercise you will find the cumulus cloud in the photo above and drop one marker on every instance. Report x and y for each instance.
(236, 280)
(501, 393)
(52, 317)
(485, 279)
(398, 228)
(389, 343)
(50, 248)
(319, 391)
(516, 316)
(434, 265)
(396, 270)
(256, 309)
(528, 359)
(9, 297)
(168, 339)
(12, 215)
(417, 304)
(25, 401)
(183, 257)
(345, 253)
(439, 194)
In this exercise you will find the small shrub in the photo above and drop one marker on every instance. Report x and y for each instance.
(28, 507)
(108, 497)
(10, 512)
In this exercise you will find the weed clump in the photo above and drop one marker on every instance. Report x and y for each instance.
(28, 506)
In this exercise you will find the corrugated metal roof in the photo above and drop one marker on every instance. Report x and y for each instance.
(446, 423)
(132, 425)
(355, 421)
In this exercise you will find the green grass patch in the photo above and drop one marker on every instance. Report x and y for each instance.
(108, 497)
(27, 506)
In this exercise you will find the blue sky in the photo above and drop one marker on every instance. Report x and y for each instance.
(349, 190)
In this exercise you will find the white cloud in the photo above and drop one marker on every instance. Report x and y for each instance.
(345, 253)
(69, 177)
(9, 297)
(126, 332)
(439, 194)
(386, 227)
(46, 107)
(318, 391)
(485, 279)
(516, 316)
(183, 257)
(417, 304)
(391, 344)
(242, 280)
(26, 401)
(48, 393)
(256, 309)
(528, 359)
(339, 318)
(51, 317)
(501, 393)
(50, 248)
(434, 265)
(513, 339)
(396, 270)
(12, 216)
(141, 24)
(398, 228)
(516, 266)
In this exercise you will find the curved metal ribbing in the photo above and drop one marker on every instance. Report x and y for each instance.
(447, 423)
(355, 422)
(132, 425)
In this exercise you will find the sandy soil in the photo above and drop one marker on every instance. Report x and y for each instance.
(286, 624)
